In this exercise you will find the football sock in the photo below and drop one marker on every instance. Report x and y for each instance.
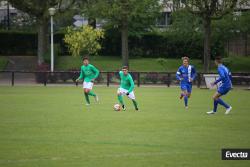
(221, 102)
(135, 104)
(87, 98)
(215, 105)
(120, 99)
(91, 93)
(186, 100)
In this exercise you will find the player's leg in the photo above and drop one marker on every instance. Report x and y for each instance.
(188, 94)
(184, 90)
(86, 94)
(217, 100)
(89, 91)
(132, 97)
(186, 98)
(120, 92)
(182, 94)
(215, 97)
(223, 91)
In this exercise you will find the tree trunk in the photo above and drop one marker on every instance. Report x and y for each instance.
(207, 44)
(92, 22)
(42, 40)
(125, 55)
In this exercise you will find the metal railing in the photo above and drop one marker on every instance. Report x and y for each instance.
(107, 78)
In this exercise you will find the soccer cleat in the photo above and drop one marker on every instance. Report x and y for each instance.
(96, 98)
(228, 110)
(87, 104)
(211, 112)
(123, 108)
(186, 107)
(137, 109)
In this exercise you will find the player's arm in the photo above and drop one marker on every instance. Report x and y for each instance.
(81, 75)
(132, 85)
(194, 74)
(120, 74)
(221, 76)
(178, 75)
(96, 71)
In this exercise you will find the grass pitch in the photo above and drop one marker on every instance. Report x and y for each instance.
(51, 126)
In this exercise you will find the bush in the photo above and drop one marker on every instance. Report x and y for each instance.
(83, 40)
(3, 63)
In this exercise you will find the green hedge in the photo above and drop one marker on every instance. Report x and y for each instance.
(25, 43)
(18, 43)
(168, 45)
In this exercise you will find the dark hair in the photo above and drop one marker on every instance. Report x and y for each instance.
(85, 58)
(185, 58)
(218, 59)
(125, 67)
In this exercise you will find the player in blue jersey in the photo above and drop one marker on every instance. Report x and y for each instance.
(186, 74)
(225, 85)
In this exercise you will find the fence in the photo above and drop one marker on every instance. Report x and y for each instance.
(107, 78)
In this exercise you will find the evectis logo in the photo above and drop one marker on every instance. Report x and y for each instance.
(235, 154)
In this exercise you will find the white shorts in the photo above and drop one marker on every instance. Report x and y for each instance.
(88, 85)
(124, 91)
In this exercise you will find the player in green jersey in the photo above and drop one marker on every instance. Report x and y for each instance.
(88, 73)
(126, 88)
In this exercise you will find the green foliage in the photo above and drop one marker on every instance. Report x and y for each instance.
(163, 62)
(139, 15)
(84, 40)
(57, 53)
(12, 43)
(232, 25)
(237, 63)
(18, 43)
(3, 63)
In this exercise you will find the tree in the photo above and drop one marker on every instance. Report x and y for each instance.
(83, 40)
(39, 9)
(126, 15)
(209, 10)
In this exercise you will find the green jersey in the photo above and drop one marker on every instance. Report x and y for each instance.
(126, 82)
(88, 72)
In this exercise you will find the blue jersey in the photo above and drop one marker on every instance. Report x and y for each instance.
(186, 74)
(224, 77)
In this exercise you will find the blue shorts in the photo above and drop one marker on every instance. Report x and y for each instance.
(187, 87)
(223, 90)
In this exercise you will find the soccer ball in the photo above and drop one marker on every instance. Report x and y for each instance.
(117, 107)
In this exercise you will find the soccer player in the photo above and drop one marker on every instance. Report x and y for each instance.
(224, 88)
(186, 74)
(88, 73)
(126, 88)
